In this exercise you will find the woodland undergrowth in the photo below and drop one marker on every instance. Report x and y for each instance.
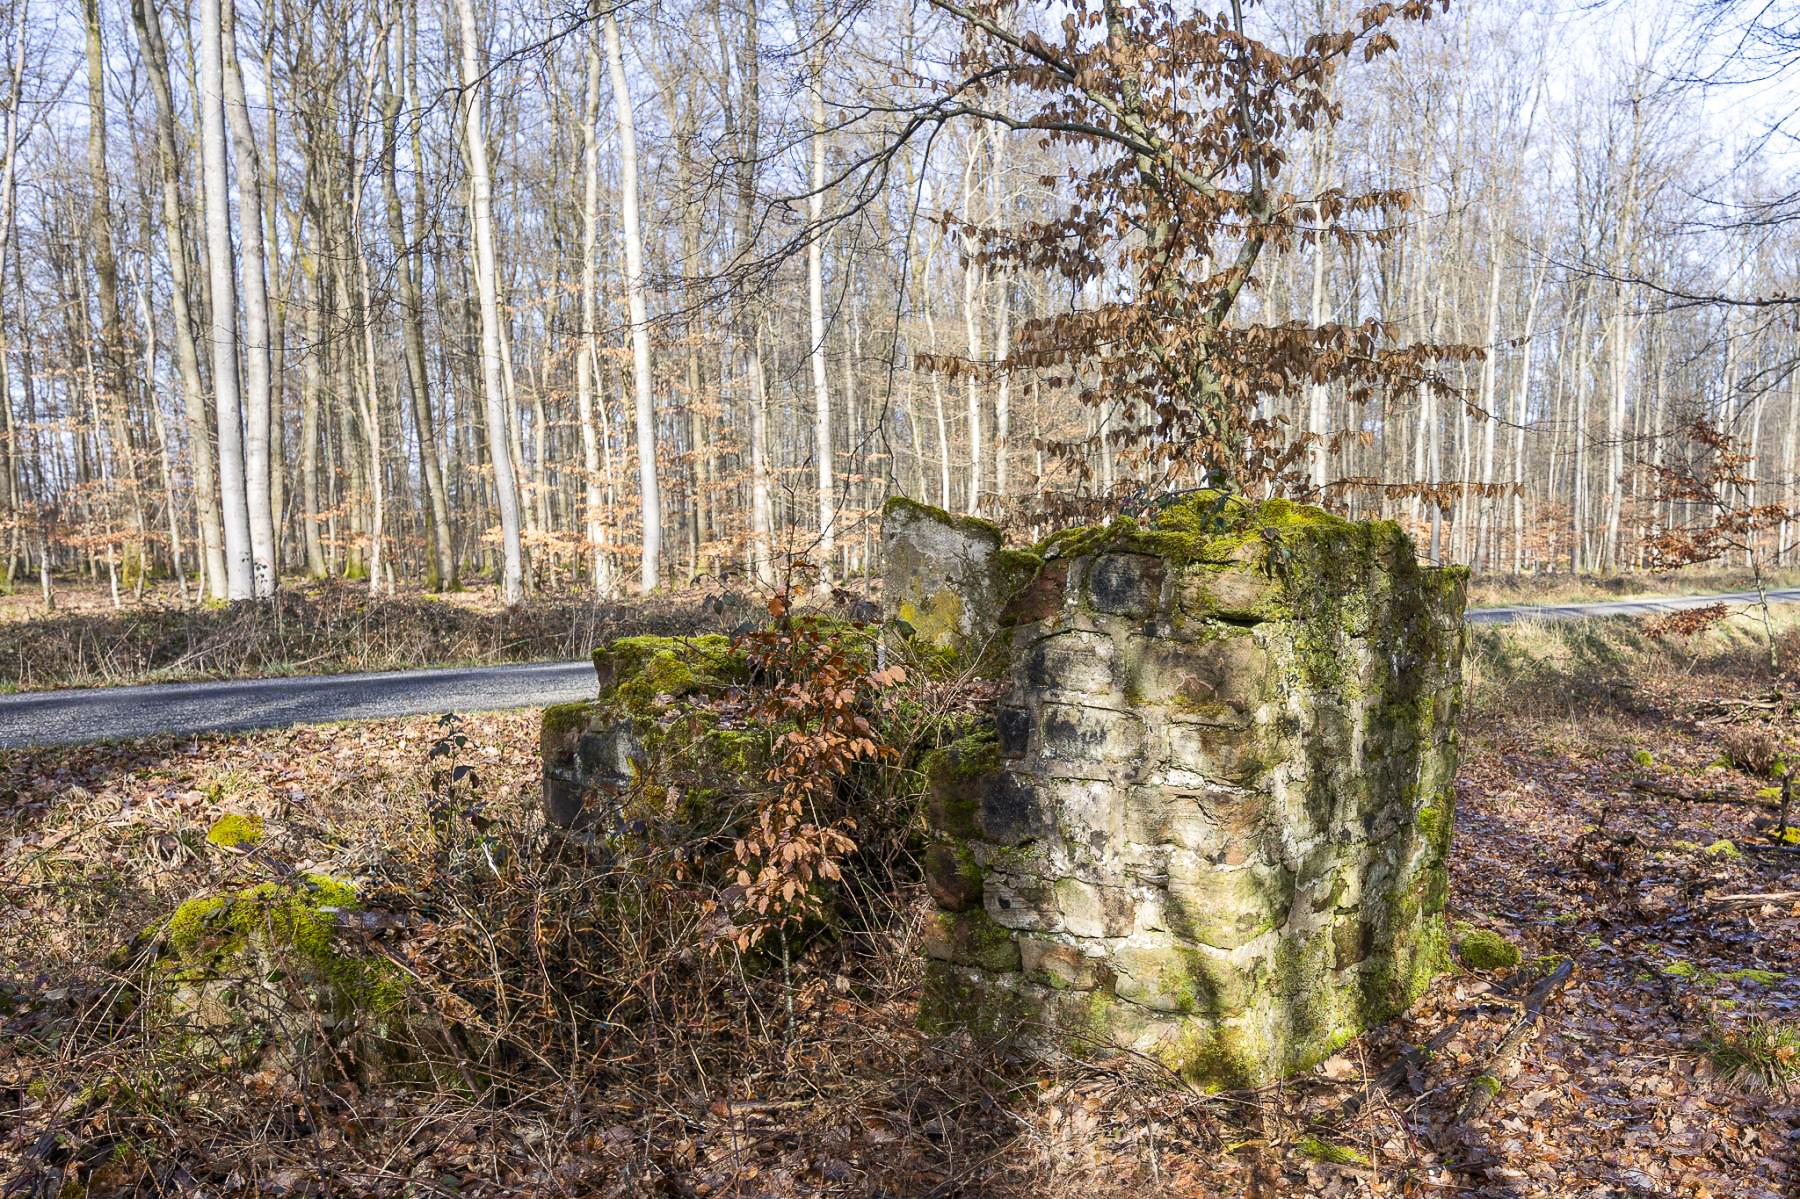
(653, 1013)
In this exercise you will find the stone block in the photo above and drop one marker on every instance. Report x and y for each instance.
(1227, 907)
(1220, 680)
(953, 877)
(970, 939)
(1125, 584)
(1230, 755)
(1161, 977)
(1041, 599)
(1072, 660)
(1062, 966)
(1072, 735)
(1213, 820)
(1013, 810)
(943, 576)
(1091, 910)
(1238, 594)
(1021, 902)
(1014, 728)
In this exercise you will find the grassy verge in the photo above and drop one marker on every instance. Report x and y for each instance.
(330, 628)
(1499, 591)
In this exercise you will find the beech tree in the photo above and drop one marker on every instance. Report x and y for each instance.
(1181, 123)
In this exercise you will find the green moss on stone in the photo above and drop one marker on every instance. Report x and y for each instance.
(559, 720)
(236, 830)
(638, 670)
(1015, 570)
(954, 777)
(967, 524)
(205, 934)
(1483, 949)
(1488, 1083)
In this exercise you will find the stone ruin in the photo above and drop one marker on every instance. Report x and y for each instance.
(1209, 820)
(1210, 824)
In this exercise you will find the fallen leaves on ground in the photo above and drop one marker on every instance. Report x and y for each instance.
(818, 1084)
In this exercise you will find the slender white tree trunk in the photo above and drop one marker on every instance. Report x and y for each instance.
(257, 339)
(1318, 464)
(587, 363)
(648, 496)
(1003, 394)
(216, 192)
(487, 286)
(971, 291)
(815, 288)
(1490, 376)
(762, 511)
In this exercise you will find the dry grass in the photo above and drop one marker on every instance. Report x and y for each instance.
(1500, 590)
(330, 628)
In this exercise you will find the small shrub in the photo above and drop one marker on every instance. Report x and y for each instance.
(1754, 750)
(1760, 1055)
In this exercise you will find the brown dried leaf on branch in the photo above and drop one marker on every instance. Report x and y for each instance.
(1687, 622)
(1183, 124)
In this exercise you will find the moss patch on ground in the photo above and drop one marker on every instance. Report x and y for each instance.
(216, 935)
(236, 830)
(1483, 949)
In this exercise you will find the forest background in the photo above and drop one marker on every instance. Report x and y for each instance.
(419, 292)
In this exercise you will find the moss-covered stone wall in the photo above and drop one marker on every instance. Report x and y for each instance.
(1211, 820)
(650, 715)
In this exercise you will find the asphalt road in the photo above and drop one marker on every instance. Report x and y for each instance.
(108, 713)
(1636, 607)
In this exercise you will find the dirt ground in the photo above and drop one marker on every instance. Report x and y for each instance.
(1597, 823)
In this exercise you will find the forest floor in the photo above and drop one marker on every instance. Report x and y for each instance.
(1598, 820)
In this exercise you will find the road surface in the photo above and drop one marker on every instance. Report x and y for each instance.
(1632, 607)
(107, 713)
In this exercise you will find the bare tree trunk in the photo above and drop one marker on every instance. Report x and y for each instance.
(481, 219)
(112, 381)
(440, 563)
(587, 362)
(215, 193)
(650, 503)
(162, 440)
(9, 186)
(257, 335)
(815, 294)
(971, 290)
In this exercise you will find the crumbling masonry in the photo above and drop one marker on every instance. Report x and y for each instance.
(1211, 820)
